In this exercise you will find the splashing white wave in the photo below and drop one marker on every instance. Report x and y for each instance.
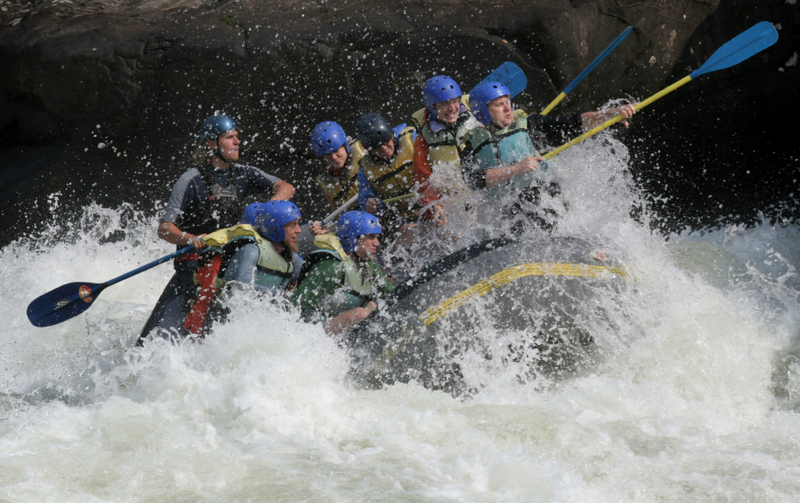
(696, 397)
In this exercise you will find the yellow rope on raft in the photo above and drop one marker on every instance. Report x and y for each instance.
(512, 274)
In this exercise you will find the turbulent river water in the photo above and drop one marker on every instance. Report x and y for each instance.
(695, 397)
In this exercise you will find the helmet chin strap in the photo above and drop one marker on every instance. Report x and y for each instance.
(218, 152)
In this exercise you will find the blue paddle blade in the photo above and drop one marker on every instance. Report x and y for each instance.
(586, 71)
(63, 303)
(70, 300)
(509, 74)
(748, 43)
(399, 129)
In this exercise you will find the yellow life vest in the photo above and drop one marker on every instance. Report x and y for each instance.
(342, 188)
(395, 177)
(445, 143)
(270, 262)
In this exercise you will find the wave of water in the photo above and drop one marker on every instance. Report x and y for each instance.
(696, 397)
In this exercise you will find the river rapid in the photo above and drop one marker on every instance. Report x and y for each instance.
(695, 397)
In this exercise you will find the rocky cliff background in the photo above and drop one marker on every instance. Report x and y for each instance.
(99, 100)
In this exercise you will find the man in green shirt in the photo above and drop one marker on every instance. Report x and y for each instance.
(340, 281)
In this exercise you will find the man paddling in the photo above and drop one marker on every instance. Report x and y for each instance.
(268, 258)
(205, 198)
(340, 282)
(501, 155)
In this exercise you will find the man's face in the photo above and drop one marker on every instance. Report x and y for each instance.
(337, 159)
(367, 246)
(501, 111)
(228, 145)
(385, 151)
(447, 111)
(292, 230)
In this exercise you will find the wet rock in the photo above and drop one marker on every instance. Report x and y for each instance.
(139, 77)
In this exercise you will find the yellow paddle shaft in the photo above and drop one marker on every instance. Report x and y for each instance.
(553, 104)
(591, 132)
(618, 118)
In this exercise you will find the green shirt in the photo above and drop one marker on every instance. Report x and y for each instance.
(323, 293)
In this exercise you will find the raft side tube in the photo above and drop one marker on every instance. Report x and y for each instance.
(542, 288)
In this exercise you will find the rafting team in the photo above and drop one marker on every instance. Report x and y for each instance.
(479, 137)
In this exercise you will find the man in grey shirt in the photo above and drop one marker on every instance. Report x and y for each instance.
(205, 198)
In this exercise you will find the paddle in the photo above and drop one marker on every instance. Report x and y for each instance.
(341, 209)
(740, 48)
(398, 198)
(70, 300)
(745, 45)
(587, 70)
(353, 199)
(509, 74)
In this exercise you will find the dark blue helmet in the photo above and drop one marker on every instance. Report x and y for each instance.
(353, 224)
(327, 137)
(438, 89)
(270, 217)
(372, 131)
(216, 125)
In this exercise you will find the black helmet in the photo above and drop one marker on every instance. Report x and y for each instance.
(372, 130)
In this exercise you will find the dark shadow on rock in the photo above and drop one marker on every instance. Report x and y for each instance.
(100, 102)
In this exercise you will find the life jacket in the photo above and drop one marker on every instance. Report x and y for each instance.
(494, 148)
(223, 201)
(273, 271)
(437, 151)
(359, 285)
(394, 177)
(343, 188)
(206, 279)
(444, 139)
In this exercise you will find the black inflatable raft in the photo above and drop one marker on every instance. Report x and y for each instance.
(531, 304)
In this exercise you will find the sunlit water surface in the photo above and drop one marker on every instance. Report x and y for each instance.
(694, 399)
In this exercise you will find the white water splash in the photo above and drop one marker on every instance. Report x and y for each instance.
(695, 398)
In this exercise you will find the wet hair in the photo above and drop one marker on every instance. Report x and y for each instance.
(202, 154)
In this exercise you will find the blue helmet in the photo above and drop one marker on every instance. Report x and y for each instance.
(353, 224)
(438, 89)
(327, 137)
(270, 217)
(480, 98)
(216, 125)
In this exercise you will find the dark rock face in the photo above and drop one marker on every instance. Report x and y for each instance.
(730, 149)
(100, 100)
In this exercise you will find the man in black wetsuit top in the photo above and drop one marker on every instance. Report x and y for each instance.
(205, 198)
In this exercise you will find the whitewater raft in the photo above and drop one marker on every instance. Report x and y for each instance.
(531, 304)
